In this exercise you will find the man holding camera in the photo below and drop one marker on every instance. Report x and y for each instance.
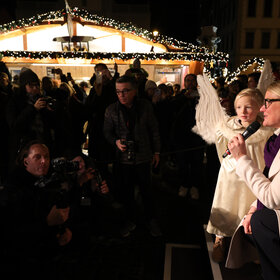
(28, 115)
(36, 226)
(131, 127)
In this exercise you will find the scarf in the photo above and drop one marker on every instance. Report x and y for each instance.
(270, 150)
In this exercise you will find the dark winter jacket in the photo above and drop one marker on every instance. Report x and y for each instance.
(26, 123)
(144, 132)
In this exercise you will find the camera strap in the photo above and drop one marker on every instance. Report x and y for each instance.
(129, 115)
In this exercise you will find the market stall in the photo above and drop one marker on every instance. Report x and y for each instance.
(76, 40)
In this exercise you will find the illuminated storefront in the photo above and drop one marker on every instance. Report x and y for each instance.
(77, 40)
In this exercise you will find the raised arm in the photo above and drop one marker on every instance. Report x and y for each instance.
(209, 111)
(267, 77)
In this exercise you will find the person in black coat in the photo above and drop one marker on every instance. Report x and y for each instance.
(131, 127)
(187, 146)
(6, 92)
(36, 224)
(28, 115)
(101, 95)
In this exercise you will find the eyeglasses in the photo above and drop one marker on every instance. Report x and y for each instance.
(268, 102)
(124, 91)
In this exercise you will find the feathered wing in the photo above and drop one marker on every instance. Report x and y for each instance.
(209, 111)
(267, 77)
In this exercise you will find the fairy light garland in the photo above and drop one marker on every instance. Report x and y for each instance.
(111, 56)
(197, 52)
(243, 67)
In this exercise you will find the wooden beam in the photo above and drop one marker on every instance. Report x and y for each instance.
(123, 43)
(24, 39)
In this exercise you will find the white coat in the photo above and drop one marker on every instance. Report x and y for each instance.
(267, 191)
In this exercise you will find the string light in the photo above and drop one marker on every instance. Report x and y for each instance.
(244, 67)
(184, 51)
(83, 15)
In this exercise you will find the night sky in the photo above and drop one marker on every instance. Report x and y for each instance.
(177, 19)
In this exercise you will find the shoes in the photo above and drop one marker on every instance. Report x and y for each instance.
(194, 193)
(154, 228)
(183, 191)
(127, 229)
(219, 250)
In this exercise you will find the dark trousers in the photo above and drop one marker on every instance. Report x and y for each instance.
(128, 176)
(265, 234)
(190, 164)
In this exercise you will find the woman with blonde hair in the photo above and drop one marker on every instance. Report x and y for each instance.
(261, 223)
(232, 198)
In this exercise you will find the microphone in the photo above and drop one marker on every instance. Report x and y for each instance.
(251, 129)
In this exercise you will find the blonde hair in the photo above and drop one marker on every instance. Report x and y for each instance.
(274, 88)
(254, 93)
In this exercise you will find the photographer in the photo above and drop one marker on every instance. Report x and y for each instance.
(70, 114)
(132, 128)
(28, 115)
(37, 224)
(97, 211)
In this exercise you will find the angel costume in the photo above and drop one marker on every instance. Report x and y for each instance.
(232, 198)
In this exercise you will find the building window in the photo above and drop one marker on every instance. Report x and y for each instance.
(249, 40)
(252, 6)
(268, 4)
(265, 40)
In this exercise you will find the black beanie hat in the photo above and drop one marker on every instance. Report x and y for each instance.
(27, 76)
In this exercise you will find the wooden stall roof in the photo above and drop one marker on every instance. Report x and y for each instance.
(177, 52)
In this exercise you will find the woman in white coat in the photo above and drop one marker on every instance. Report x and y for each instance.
(215, 126)
(262, 221)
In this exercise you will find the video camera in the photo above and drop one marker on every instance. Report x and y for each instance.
(55, 71)
(60, 181)
(66, 166)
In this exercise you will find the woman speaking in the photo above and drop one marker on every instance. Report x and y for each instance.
(262, 221)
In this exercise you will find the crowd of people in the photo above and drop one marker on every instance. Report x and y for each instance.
(54, 196)
(72, 162)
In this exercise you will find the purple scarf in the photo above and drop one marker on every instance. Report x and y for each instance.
(270, 150)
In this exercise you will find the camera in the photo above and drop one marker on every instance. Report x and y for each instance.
(56, 186)
(65, 166)
(55, 71)
(68, 76)
(130, 149)
(50, 101)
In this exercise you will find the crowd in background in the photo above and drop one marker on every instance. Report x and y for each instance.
(73, 123)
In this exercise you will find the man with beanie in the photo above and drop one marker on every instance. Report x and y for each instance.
(28, 115)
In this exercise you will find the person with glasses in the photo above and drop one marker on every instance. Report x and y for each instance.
(131, 127)
(261, 224)
(232, 198)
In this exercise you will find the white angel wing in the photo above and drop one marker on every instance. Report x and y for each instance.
(209, 111)
(266, 77)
